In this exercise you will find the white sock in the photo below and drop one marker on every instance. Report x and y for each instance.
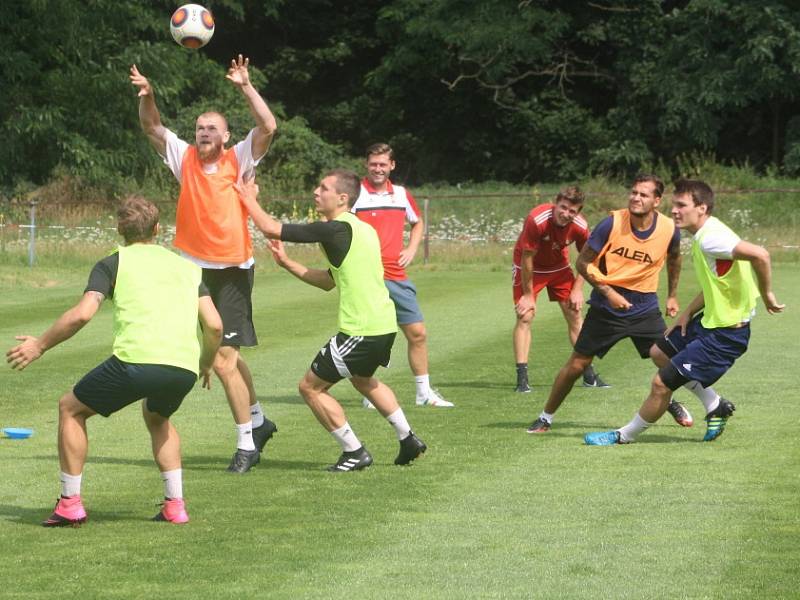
(707, 396)
(245, 433)
(423, 385)
(547, 417)
(633, 429)
(173, 483)
(70, 484)
(346, 437)
(256, 415)
(398, 420)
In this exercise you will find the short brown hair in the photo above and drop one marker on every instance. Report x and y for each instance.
(380, 148)
(137, 218)
(571, 194)
(700, 192)
(347, 182)
(654, 179)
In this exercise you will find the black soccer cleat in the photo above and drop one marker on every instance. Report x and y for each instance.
(523, 387)
(263, 433)
(244, 460)
(680, 413)
(592, 379)
(354, 460)
(539, 426)
(410, 448)
(717, 418)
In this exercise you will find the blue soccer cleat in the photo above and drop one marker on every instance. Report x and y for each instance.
(602, 438)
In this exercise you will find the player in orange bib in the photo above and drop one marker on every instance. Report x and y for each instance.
(211, 231)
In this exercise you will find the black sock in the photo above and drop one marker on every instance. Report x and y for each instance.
(522, 371)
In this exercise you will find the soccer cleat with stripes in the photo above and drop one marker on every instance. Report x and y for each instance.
(410, 448)
(263, 433)
(602, 438)
(173, 510)
(679, 412)
(539, 426)
(69, 512)
(717, 418)
(366, 403)
(434, 399)
(352, 461)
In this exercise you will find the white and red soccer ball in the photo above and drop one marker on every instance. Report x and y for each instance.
(192, 26)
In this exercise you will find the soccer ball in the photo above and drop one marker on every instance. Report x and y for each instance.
(192, 26)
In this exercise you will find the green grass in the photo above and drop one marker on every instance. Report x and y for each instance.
(489, 512)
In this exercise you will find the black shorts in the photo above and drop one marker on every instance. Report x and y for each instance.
(231, 291)
(344, 356)
(601, 330)
(112, 385)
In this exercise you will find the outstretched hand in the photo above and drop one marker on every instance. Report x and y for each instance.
(248, 192)
(238, 73)
(21, 355)
(140, 81)
(279, 252)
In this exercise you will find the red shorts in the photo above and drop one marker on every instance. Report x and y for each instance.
(558, 284)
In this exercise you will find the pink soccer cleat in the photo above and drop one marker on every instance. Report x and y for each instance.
(69, 512)
(173, 510)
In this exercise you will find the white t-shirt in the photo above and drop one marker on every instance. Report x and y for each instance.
(176, 148)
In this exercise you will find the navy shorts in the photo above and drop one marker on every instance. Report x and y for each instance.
(231, 290)
(114, 384)
(345, 355)
(704, 355)
(404, 295)
(602, 329)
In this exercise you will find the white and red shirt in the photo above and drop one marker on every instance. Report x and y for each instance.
(550, 242)
(387, 212)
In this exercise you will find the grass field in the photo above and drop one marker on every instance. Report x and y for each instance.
(489, 512)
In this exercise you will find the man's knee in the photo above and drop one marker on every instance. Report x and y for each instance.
(226, 361)
(70, 407)
(415, 332)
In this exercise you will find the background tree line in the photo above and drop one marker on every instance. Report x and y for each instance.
(465, 90)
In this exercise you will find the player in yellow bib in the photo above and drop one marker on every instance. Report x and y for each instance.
(366, 324)
(157, 297)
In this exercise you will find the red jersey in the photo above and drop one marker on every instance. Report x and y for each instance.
(387, 212)
(548, 240)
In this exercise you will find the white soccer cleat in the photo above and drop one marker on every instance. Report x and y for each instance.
(434, 399)
(366, 403)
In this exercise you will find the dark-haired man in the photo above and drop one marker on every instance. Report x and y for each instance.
(714, 330)
(156, 355)
(622, 261)
(366, 324)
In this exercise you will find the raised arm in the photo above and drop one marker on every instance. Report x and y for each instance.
(760, 259)
(266, 125)
(31, 348)
(149, 117)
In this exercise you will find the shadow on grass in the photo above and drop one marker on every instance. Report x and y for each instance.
(33, 517)
(197, 463)
(483, 385)
(567, 429)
